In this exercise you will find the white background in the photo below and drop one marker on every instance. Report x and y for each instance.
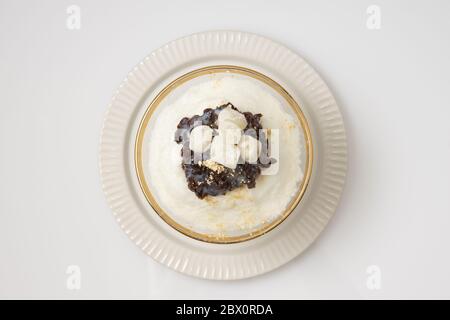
(392, 84)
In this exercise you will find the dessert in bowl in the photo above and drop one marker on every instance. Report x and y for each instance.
(223, 154)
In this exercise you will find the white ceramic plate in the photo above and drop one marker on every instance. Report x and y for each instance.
(210, 260)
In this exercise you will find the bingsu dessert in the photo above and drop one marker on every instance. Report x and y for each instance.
(224, 156)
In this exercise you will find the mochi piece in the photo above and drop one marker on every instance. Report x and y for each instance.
(229, 116)
(200, 139)
(226, 154)
(231, 133)
(250, 148)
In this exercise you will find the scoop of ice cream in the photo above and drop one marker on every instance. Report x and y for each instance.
(224, 153)
(200, 139)
(228, 117)
(250, 149)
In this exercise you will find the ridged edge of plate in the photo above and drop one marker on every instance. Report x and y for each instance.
(327, 182)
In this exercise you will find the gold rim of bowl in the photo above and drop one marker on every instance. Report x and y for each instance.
(222, 239)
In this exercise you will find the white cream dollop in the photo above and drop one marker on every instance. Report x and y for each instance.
(200, 139)
(224, 153)
(250, 148)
